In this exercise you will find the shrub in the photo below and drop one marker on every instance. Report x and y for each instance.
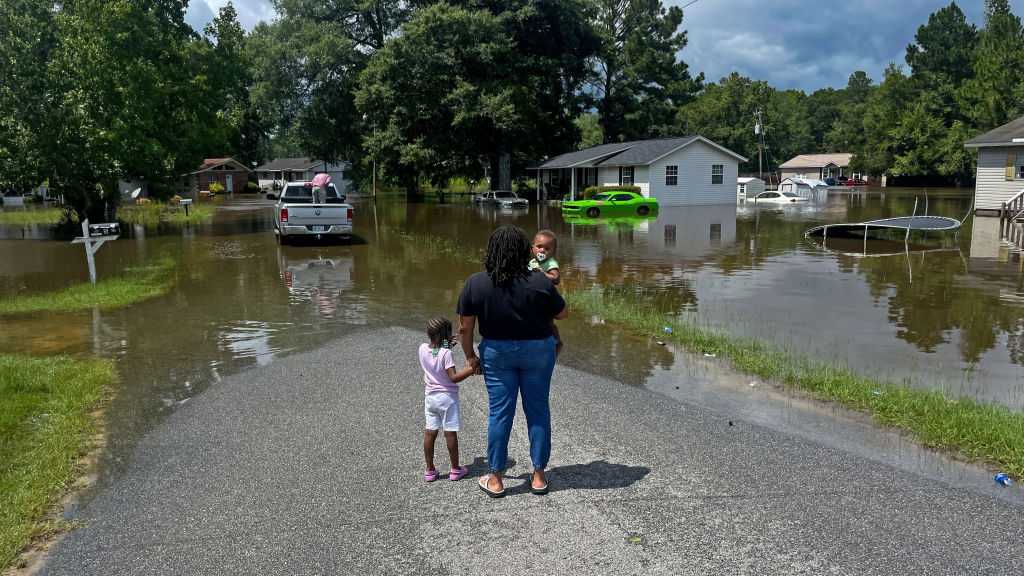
(590, 191)
(216, 188)
(252, 187)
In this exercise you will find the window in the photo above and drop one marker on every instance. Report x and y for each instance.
(670, 235)
(298, 195)
(601, 197)
(626, 175)
(717, 173)
(716, 233)
(622, 197)
(671, 175)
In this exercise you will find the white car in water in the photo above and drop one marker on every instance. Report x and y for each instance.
(501, 199)
(778, 198)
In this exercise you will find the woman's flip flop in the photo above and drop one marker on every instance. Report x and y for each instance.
(482, 483)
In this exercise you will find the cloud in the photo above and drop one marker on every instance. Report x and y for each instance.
(805, 44)
(250, 12)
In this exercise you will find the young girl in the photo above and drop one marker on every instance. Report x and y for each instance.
(441, 404)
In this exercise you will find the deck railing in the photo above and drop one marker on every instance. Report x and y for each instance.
(1012, 210)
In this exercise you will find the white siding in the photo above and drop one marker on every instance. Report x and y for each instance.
(609, 176)
(695, 187)
(992, 188)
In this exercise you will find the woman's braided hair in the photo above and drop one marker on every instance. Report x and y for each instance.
(508, 255)
(439, 330)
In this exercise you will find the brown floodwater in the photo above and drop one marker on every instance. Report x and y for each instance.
(947, 313)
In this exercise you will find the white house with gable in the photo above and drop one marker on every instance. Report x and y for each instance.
(1000, 166)
(686, 171)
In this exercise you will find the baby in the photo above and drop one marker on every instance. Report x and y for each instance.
(545, 244)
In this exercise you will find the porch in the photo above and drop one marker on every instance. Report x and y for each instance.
(564, 183)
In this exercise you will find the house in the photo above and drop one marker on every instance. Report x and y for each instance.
(748, 188)
(686, 171)
(280, 170)
(228, 172)
(819, 167)
(1000, 175)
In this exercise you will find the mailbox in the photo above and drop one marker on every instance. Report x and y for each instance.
(105, 229)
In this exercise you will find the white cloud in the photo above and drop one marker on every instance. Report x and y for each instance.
(805, 44)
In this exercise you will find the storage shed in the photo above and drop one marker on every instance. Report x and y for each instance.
(748, 188)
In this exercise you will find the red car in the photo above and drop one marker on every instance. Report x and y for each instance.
(855, 182)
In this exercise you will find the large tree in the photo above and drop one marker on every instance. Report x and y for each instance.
(943, 49)
(638, 79)
(995, 95)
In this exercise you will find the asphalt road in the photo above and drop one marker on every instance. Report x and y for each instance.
(312, 465)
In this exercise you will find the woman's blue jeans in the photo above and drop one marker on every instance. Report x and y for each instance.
(513, 367)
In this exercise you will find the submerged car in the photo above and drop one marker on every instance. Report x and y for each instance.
(501, 199)
(611, 204)
(778, 198)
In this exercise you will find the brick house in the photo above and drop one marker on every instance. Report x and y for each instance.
(228, 172)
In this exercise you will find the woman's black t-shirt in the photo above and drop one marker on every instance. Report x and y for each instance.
(520, 311)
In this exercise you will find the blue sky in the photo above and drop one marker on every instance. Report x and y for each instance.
(805, 44)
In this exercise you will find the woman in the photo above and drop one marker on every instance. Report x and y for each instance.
(516, 309)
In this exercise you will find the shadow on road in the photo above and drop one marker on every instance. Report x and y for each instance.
(596, 475)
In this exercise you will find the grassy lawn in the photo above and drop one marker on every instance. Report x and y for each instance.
(970, 429)
(31, 216)
(135, 285)
(155, 213)
(47, 423)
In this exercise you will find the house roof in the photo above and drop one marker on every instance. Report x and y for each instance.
(288, 164)
(638, 152)
(211, 163)
(841, 159)
(1009, 134)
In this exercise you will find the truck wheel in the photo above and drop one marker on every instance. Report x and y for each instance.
(282, 240)
(593, 212)
(643, 210)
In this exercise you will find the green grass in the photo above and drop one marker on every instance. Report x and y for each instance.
(972, 430)
(155, 213)
(32, 216)
(135, 285)
(435, 245)
(47, 422)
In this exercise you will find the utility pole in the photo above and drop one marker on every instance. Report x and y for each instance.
(759, 132)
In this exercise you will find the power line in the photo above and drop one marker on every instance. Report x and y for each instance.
(688, 4)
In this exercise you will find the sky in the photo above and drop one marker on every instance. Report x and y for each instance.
(803, 44)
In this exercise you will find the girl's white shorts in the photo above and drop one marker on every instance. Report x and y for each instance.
(442, 411)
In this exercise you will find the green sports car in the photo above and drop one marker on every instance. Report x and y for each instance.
(614, 203)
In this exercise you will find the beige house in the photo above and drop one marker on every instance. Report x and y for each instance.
(819, 167)
(1000, 175)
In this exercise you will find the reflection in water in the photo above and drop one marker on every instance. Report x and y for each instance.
(944, 321)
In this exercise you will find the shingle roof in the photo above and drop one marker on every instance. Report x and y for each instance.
(638, 152)
(1005, 134)
(593, 153)
(288, 164)
(841, 159)
(209, 163)
(646, 151)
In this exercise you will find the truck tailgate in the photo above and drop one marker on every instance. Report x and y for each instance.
(318, 214)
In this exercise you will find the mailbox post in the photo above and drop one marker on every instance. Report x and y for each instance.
(93, 236)
(186, 202)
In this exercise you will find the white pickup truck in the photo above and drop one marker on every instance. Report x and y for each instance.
(298, 213)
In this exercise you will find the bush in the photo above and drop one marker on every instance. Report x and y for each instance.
(216, 188)
(252, 187)
(590, 191)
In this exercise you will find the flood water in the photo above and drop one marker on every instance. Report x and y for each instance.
(947, 314)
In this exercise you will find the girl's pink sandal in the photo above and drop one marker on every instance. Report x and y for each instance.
(458, 473)
(431, 475)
